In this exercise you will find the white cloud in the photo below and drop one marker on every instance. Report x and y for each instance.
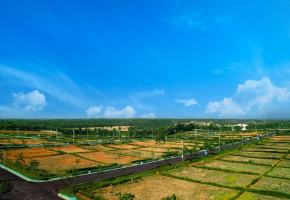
(251, 93)
(150, 115)
(60, 85)
(93, 111)
(127, 112)
(226, 108)
(32, 101)
(188, 102)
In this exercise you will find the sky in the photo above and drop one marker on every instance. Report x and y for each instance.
(145, 59)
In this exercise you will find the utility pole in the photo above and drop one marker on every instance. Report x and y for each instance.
(73, 136)
(87, 133)
(119, 136)
(175, 134)
(242, 139)
(257, 134)
(17, 132)
(56, 134)
(182, 150)
(152, 134)
(220, 142)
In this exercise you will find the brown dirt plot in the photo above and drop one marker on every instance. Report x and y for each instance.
(30, 152)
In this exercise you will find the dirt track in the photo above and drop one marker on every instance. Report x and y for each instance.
(49, 190)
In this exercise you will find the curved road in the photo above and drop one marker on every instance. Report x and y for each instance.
(49, 190)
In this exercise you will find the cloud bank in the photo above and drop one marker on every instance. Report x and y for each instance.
(251, 93)
(93, 111)
(111, 112)
(33, 100)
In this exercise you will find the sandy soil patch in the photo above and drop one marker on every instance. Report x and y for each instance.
(158, 187)
(123, 128)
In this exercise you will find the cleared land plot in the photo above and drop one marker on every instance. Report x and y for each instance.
(280, 172)
(224, 178)
(265, 150)
(5, 142)
(146, 144)
(260, 154)
(99, 147)
(281, 138)
(31, 152)
(105, 157)
(124, 146)
(275, 184)
(157, 150)
(60, 163)
(278, 147)
(158, 187)
(254, 160)
(143, 154)
(69, 149)
(253, 196)
(237, 166)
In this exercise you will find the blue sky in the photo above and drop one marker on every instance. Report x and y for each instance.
(157, 59)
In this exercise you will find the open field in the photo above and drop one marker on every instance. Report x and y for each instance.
(158, 187)
(275, 184)
(260, 154)
(253, 196)
(253, 160)
(224, 178)
(237, 166)
(265, 150)
(280, 172)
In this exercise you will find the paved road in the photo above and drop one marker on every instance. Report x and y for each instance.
(49, 190)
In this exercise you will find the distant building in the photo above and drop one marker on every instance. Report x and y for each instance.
(243, 126)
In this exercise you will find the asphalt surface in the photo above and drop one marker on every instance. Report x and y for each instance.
(49, 190)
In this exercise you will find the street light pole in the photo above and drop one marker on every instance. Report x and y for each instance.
(242, 139)
(73, 136)
(182, 150)
(175, 134)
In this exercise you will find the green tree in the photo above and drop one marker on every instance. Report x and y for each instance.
(19, 158)
(33, 165)
(126, 196)
(5, 187)
(77, 162)
(173, 197)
